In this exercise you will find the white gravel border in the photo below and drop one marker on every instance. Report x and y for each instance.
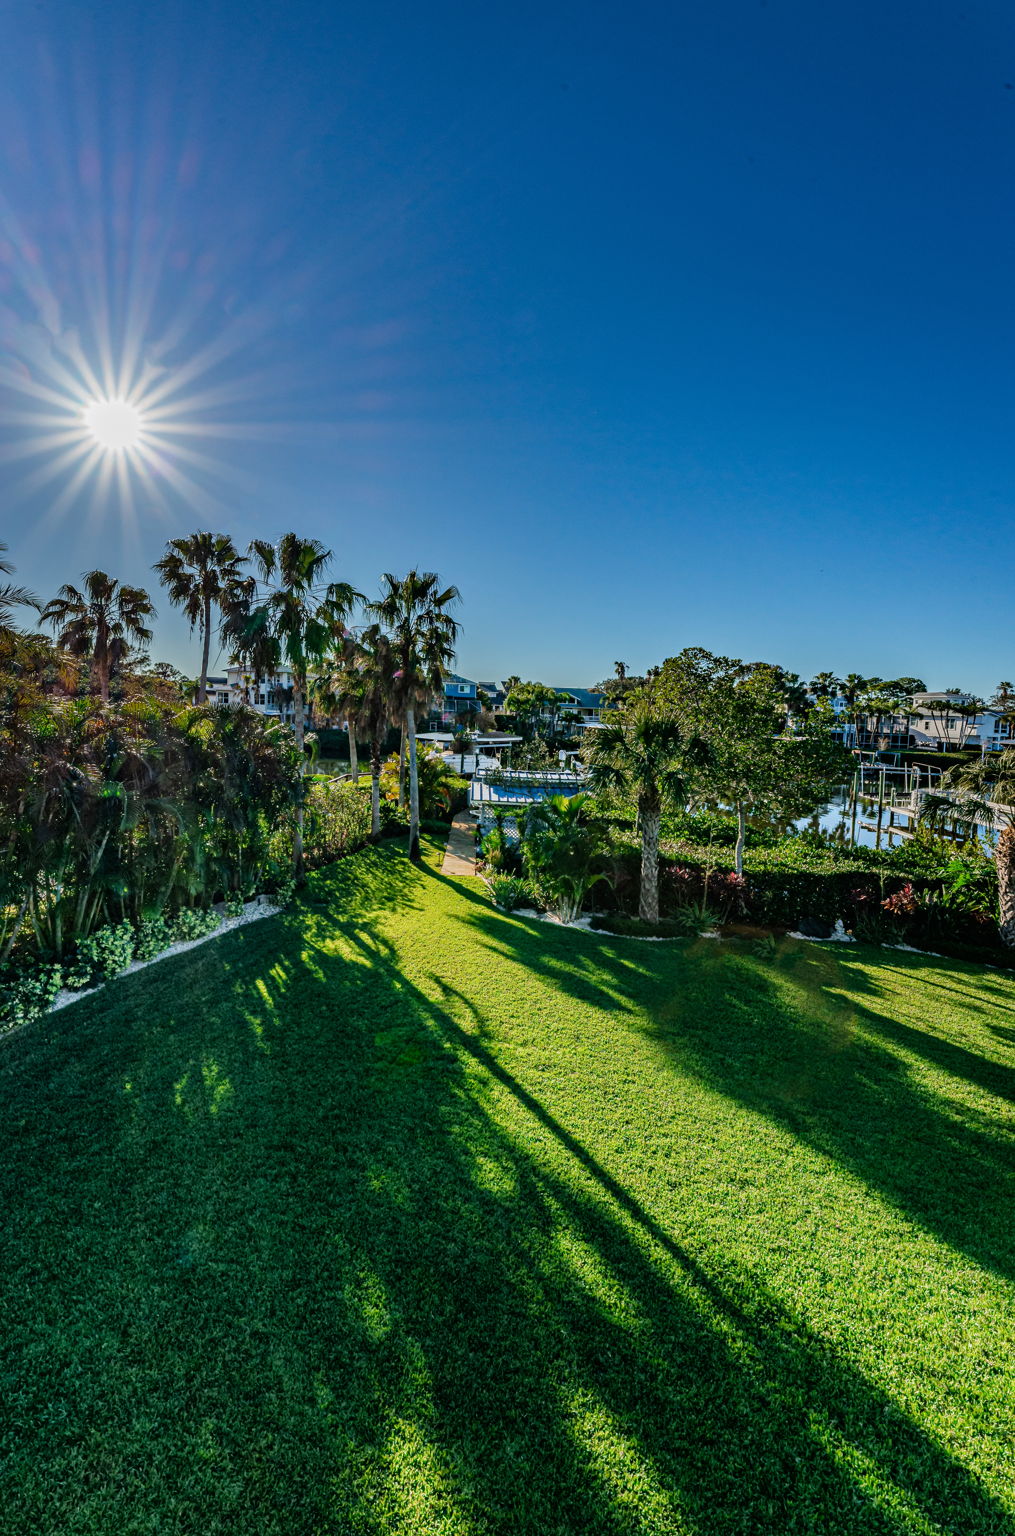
(261, 906)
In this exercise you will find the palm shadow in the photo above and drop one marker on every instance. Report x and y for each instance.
(308, 1261)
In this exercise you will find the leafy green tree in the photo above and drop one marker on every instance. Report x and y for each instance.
(415, 611)
(535, 707)
(102, 624)
(200, 572)
(1003, 696)
(296, 616)
(981, 793)
(757, 763)
(645, 756)
(560, 846)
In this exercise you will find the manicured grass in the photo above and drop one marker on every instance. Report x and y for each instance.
(396, 1214)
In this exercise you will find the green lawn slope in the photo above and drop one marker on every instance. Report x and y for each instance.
(397, 1214)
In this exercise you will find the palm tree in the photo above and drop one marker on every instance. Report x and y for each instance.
(199, 571)
(647, 758)
(414, 610)
(12, 597)
(337, 690)
(377, 707)
(855, 683)
(824, 685)
(102, 623)
(295, 618)
(982, 793)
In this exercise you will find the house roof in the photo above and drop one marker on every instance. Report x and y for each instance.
(585, 696)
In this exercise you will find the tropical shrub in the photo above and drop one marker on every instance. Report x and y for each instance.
(508, 892)
(107, 952)
(111, 814)
(562, 853)
(439, 786)
(153, 935)
(194, 923)
(26, 992)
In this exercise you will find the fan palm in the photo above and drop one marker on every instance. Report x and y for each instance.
(103, 623)
(414, 611)
(824, 685)
(11, 596)
(649, 759)
(199, 572)
(295, 618)
(982, 793)
(337, 690)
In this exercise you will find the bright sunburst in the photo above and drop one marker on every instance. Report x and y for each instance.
(116, 425)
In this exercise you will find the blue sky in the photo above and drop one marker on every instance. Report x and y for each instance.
(647, 326)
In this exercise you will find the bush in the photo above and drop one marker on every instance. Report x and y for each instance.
(152, 937)
(27, 992)
(194, 923)
(394, 823)
(336, 820)
(499, 854)
(508, 892)
(109, 951)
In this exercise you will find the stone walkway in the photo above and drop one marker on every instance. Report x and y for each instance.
(460, 854)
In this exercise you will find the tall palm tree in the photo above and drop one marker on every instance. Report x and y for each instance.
(103, 623)
(377, 706)
(647, 758)
(824, 685)
(854, 683)
(295, 618)
(414, 609)
(200, 571)
(982, 793)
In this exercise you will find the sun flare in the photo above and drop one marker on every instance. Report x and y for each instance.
(116, 425)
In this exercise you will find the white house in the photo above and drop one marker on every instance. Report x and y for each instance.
(935, 722)
(271, 696)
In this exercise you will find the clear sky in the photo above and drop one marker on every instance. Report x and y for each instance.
(646, 325)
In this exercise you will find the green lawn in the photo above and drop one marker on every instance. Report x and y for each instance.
(395, 1214)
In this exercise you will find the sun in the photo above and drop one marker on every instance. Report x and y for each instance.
(116, 425)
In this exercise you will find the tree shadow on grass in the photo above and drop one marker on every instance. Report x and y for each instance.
(803, 1043)
(328, 1285)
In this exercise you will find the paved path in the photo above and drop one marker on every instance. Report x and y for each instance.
(460, 854)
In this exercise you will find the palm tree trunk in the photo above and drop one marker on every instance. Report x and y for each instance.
(738, 858)
(648, 900)
(375, 789)
(350, 726)
(401, 772)
(1004, 859)
(298, 727)
(410, 731)
(202, 686)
